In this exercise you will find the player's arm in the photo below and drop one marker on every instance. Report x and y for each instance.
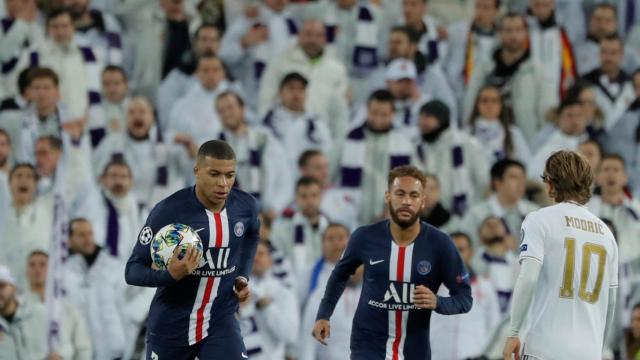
(456, 279)
(138, 270)
(339, 276)
(249, 246)
(531, 260)
(613, 291)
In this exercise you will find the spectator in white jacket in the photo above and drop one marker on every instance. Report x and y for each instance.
(521, 80)
(263, 167)
(298, 234)
(250, 43)
(206, 40)
(21, 28)
(195, 114)
(98, 28)
(315, 275)
(290, 122)
(113, 107)
(97, 290)
(338, 342)
(27, 221)
(614, 86)
(571, 130)
(163, 160)
(466, 336)
(22, 323)
(470, 44)
(491, 124)
(269, 320)
(327, 76)
(431, 44)
(75, 342)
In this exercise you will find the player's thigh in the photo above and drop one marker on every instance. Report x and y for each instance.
(160, 351)
(223, 343)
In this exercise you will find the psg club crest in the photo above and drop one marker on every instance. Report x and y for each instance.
(424, 267)
(146, 235)
(238, 229)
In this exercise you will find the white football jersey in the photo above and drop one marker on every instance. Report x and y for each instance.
(579, 258)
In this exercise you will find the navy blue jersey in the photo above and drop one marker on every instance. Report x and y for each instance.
(387, 324)
(182, 311)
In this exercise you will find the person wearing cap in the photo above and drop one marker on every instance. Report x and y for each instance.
(327, 75)
(524, 86)
(75, 342)
(401, 78)
(369, 152)
(289, 121)
(430, 77)
(22, 323)
(455, 157)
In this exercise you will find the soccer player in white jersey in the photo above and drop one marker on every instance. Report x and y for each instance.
(569, 272)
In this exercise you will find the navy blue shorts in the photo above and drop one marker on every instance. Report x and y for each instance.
(223, 342)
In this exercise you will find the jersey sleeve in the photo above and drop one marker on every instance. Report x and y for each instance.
(532, 235)
(613, 267)
(138, 270)
(347, 265)
(249, 245)
(457, 280)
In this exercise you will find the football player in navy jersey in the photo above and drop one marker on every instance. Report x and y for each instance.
(405, 262)
(193, 311)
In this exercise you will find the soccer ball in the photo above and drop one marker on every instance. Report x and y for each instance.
(166, 240)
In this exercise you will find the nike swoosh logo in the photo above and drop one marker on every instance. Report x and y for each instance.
(197, 231)
(371, 262)
(244, 356)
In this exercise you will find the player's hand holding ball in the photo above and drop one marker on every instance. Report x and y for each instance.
(178, 267)
(424, 298)
(512, 347)
(321, 331)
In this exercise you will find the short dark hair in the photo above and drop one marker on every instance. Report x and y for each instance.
(464, 235)
(512, 15)
(605, 6)
(595, 143)
(24, 80)
(307, 181)
(4, 133)
(74, 221)
(53, 141)
(567, 103)
(407, 31)
(382, 95)
(306, 156)
(291, 77)
(19, 166)
(406, 170)
(334, 225)
(57, 12)
(43, 73)
(37, 252)
(206, 25)
(613, 156)
(501, 166)
(231, 93)
(115, 68)
(613, 37)
(217, 149)
(116, 161)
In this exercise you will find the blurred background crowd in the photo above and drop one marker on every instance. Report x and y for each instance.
(105, 103)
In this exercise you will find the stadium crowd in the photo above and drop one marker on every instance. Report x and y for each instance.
(105, 102)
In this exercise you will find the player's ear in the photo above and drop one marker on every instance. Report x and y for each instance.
(387, 196)
(195, 170)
